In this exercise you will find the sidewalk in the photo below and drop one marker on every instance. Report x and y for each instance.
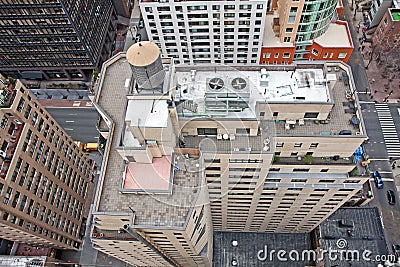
(384, 86)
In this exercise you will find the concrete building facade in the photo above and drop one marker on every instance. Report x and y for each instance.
(55, 39)
(260, 150)
(45, 180)
(192, 32)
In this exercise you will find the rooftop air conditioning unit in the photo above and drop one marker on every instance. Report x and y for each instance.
(239, 84)
(215, 84)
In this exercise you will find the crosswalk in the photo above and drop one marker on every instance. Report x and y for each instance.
(389, 132)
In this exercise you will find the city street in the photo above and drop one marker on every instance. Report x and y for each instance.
(382, 125)
(377, 153)
(79, 123)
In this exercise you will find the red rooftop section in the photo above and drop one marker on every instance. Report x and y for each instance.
(155, 177)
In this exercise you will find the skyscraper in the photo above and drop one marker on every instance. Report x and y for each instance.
(213, 148)
(55, 39)
(45, 180)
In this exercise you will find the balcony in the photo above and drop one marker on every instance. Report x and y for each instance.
(315, 161)
(7, 95)
(9, 153)
(225, 143)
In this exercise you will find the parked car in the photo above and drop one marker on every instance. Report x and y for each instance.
(138, 38)
(141, 24)
(378, 180)
(391, 197)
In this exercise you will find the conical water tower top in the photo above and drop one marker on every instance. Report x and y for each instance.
(143, 54)
(147, 67)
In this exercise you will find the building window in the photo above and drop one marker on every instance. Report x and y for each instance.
(324, 170)
(298, 144)
(279, 144)
(207, 131)
(314, 52)
(266, 55)
(286, 39)
(275, 114)
(286, 55)
(34, 118)
(7, 196)
(276, 55)
(27, 111)
(242, 130)
(301, 170)
(351, 181)
(313, 145)
(3, 122)
(342, 55)
(244, 161)
(289, 29)
(294, 154)
(20, 105)
(325, 55)
(278, 153)
(327, 181)
(274, 170)
(299, 180)
(311, 115)
(292, 18)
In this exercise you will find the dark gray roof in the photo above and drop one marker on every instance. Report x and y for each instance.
(359, 229)
(249, 244)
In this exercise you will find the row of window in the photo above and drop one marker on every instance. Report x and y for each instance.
(268, 55)
(40, 230)
(298, 144)
(47, 190)
(315, 52)
(30, 176)
(44, 214)
(202, 7)
(51, 160)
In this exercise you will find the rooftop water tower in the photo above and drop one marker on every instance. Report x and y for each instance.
(147, 68)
